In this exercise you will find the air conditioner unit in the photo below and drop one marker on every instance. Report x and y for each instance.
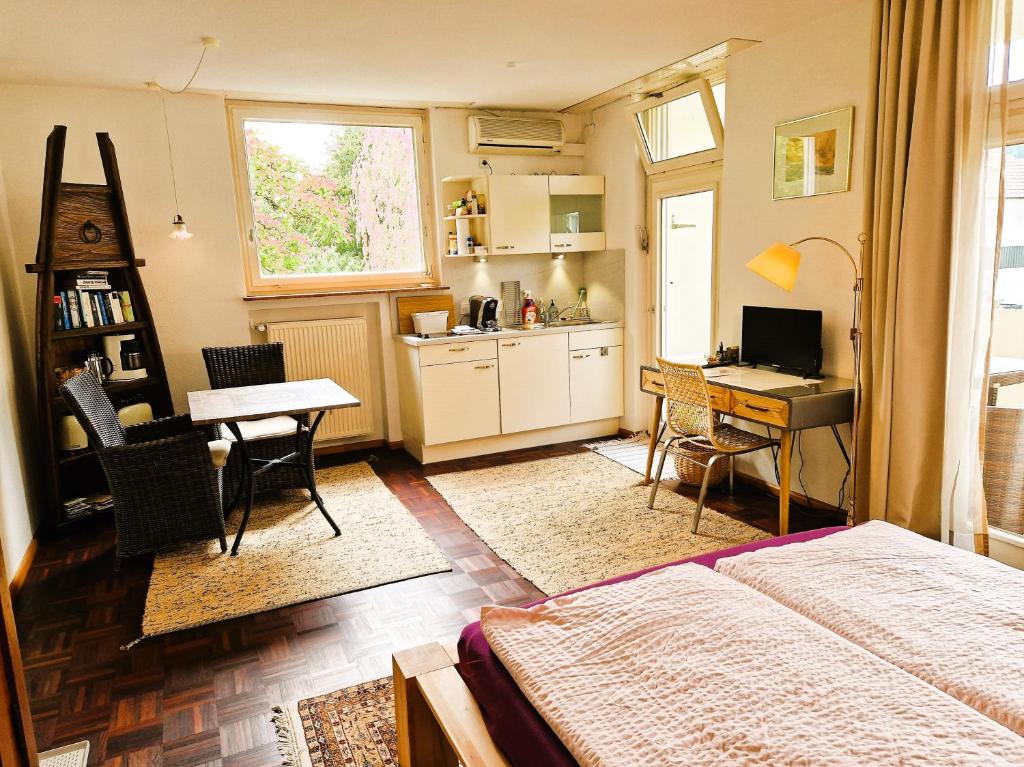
(515, 135)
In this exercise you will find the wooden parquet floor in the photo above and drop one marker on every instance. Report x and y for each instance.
(202, 697)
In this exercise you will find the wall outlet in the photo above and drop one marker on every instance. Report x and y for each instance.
(464, 307)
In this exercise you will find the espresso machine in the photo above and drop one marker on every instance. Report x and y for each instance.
(483, 313)
(125, 355)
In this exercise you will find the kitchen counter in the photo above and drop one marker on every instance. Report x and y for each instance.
(414, 340)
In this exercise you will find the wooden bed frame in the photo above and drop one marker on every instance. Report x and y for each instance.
(438, 721)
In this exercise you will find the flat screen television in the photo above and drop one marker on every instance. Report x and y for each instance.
(789, 339)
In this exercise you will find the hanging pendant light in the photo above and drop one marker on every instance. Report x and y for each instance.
(178, 229)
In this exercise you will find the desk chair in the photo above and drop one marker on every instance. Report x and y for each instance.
(693, 423)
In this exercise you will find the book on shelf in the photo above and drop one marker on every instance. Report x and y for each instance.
(88, 300)
(82, 506)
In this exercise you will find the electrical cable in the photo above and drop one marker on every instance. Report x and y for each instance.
(193, 77)
(170, 154)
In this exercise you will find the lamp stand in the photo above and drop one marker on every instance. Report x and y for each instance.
(855, 338)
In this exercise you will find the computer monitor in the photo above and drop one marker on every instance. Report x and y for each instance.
(789, 339)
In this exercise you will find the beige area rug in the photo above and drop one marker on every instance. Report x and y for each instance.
(289, 554)
(353, 727)
(565, 522)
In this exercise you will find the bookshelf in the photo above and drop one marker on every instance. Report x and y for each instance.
(84, 228)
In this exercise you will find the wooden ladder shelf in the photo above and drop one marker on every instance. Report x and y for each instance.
(85, 227)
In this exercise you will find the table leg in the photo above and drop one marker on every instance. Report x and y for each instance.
(652, 443)
(785, 461)
(311, 473)
(248, 483)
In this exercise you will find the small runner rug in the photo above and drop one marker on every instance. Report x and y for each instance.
(353, 727)
(289, 554)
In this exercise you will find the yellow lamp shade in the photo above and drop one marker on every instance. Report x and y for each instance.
(778, 263)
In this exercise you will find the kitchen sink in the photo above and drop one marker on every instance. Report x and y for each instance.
(564, 323)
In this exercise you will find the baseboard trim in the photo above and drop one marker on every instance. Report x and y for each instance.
(18, 580)
(396, 445)
(349, 447)
(795, 497)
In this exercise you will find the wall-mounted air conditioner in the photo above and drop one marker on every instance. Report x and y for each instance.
(515, 135)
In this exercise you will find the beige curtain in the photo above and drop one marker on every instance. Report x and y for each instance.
(912, 171)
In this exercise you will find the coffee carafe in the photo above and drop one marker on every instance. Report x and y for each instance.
(99, 366)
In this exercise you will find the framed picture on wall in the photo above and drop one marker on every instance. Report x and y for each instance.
(812, 155)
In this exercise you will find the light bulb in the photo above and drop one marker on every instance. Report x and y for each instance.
(178, 229)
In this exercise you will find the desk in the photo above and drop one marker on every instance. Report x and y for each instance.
(253, 403)
(766, 397)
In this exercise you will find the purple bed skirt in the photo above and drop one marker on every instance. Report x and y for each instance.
(515, 726)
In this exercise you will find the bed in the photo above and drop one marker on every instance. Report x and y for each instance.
(481, 710)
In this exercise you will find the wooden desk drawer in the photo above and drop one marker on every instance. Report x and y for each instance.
(758, 408)
(721, 398)
(651, 381)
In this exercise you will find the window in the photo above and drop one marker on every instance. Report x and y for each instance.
(332, 198)
(681, 127)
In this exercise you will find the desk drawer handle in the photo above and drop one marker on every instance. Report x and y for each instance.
(482, 367)
(758, 408)
(458, 348)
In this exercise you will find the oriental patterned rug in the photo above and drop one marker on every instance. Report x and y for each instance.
(353, 727)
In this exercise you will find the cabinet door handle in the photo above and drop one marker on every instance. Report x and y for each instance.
(514, 343)
(457, 348)
(579, 356)
(503, 247)
(482, 367)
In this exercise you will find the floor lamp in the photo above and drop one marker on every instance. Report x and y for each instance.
(779, 264)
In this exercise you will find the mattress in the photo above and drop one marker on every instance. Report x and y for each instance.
(686, 666)
(514, 725)
(945, 615)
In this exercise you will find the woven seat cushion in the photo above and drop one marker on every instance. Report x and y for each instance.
(220, 449)
(733, 439)
(265, 428)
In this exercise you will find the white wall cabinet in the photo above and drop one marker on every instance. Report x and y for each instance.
(534, 381)
(518, 211)
(460, 401)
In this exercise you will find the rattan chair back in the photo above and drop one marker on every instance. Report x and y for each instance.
(254, 365)
(1004, 468)
(688, 406)
(85, 397)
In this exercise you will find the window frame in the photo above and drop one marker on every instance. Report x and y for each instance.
(258, 285)
(701, 86)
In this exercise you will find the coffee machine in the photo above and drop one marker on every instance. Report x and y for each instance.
(483, 312)
(125, 355)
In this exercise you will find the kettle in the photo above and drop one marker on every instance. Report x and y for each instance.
(99, 366)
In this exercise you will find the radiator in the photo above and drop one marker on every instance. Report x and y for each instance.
(335, 349)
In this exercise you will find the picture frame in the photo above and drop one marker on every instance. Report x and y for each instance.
(812, 155)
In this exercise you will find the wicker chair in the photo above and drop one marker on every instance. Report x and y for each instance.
(269, 438)
(692, 421)
(1004, 468)
(164, 475)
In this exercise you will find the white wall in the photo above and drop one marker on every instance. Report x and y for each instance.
(17, 407)
(811, 69)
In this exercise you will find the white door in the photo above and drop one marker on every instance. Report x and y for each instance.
(534, 374)
(595, 383)
(518, 210)
(460, 401)
(684, 228)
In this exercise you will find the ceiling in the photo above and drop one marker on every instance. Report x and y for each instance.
(381, 51)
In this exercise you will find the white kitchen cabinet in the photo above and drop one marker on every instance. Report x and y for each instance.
(595, 383)
(460, 401)
(519, 212)
(534, 381)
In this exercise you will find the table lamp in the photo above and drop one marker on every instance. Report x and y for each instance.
(779, 264)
